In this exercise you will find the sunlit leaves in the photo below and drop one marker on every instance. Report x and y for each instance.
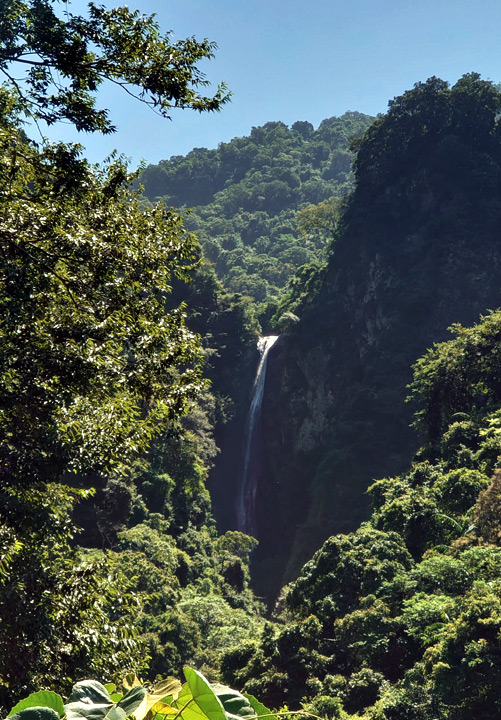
(197, 699)
(93, 364)
(90, 700)
(43, 698)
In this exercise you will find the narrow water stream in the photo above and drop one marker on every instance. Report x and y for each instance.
(246, 510)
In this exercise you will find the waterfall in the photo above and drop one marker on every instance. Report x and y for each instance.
(250, 475)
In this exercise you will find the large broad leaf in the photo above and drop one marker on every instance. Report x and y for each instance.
(89, 691)
(234, 703)
(131, 681)
(161, 710)
(90, 700)
(170, 686)
(197, 700)
(44, 699)
(259, 709)
(36, 713)
(158, 701)
(94, 711)
(132, 700)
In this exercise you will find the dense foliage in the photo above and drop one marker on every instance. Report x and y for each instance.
(92, 366)
(401, 619)
(109, 555)
(417, 249)
(254, 199)
(96, 362)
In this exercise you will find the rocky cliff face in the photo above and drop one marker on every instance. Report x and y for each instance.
(419, 250)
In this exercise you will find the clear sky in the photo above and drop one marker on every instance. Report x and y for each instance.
(300, 60)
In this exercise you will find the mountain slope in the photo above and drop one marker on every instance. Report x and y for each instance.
(245, 196)
(418, 250)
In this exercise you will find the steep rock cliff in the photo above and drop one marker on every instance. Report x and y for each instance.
(419, 249)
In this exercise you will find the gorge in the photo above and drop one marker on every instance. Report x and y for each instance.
(413, 249)
(417, 250)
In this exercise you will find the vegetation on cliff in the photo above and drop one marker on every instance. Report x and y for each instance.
(402, 618)
(416, 250)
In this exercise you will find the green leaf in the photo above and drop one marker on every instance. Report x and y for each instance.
(259, 709)
(197, 700)
(36, 713)
(159, 700)
(159, 709)
(44, 699)
(90, 700)
(89, 691)
(132, 699)
(94, 711)
(170, 686)
(130, 681)
(234, 703)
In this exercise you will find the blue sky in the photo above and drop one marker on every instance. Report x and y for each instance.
(292, 60)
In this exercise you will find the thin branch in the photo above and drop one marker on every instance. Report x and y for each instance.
(12, 80)
(26, 109)
(44, 63)
(123, 84)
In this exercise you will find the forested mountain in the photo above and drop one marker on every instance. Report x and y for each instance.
(245, 196)
(401, 619)
(417, 250)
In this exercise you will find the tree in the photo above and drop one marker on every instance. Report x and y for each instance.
(458, 378)
(463, 666)
(67, 58)
(93, 363)
(345, 568)
(95, 358)
(62, 615)
(487, 515)
(319, 221)
(431, 116)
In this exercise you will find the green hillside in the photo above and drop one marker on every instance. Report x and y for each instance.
(402, 618)
(245, 196)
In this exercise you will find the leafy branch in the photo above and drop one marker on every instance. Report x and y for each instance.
(65, 61)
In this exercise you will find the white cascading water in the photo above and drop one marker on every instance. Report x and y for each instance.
(250, 475)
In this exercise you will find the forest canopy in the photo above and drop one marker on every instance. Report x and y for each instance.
(264, 205)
